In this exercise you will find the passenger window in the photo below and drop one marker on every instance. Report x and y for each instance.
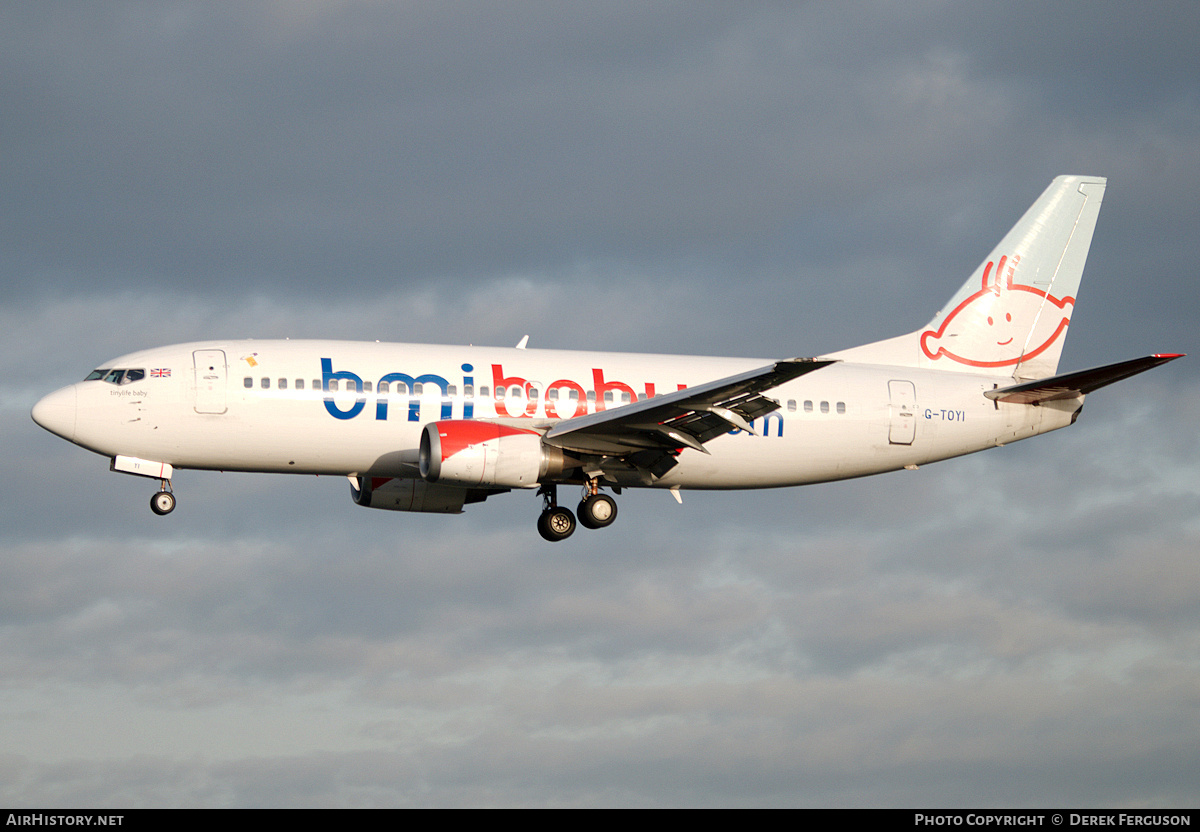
(625, 397)
(808, 406)
(316, 384)
(515, 392)
(248, 382)
(266, 384)
(500, 392)
(299, 384)
(418, 389)
(333, 385)
(451, 390)
(366, 387)
(383, 387)
(469, 391)
(573, 394)
(283, 384)
(591, 395)
(485, 391)
(791, 405)
(841, 408)
(401, 388)
(824, 407)
(552, 394)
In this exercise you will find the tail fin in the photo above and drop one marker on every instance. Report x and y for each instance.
(1011, 315)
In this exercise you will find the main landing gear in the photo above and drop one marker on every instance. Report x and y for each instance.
(164, 501)
(596, 510)
(557, 523)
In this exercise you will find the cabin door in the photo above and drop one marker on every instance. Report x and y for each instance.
(902, 420)
(211, 374)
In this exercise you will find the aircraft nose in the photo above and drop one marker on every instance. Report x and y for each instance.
(56, 412)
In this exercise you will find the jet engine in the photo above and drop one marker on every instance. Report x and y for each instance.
(472, 454)
(402, 494)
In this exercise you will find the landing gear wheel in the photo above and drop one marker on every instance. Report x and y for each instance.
(556, 524)
(597, 511)
(162, 503)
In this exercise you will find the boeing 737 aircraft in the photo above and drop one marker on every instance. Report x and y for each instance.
(433, 428)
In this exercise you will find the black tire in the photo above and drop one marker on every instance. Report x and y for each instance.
(162, 503)
(556, 524)
(597, 511)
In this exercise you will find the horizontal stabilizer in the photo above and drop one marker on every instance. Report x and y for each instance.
(1071, 385)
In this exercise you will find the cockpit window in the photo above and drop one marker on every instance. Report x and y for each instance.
(117, 376)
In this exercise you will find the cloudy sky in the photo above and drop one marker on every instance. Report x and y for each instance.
(1017, 628)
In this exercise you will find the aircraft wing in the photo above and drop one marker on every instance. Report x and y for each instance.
(1071, 385)
(684, 419)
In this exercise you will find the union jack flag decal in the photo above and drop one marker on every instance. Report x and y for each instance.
(161, 373)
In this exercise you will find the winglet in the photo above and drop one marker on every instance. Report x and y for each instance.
(524, 342)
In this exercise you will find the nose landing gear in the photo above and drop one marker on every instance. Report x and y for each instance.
(164, 501)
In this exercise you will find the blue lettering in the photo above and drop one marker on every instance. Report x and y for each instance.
(468, 393)
(414, 401)
(766, 429)
(330, 379)
(381, 402)
(444, 386)
(327, 373)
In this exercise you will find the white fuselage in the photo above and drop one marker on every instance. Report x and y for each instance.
(268, 406)
(433, 428)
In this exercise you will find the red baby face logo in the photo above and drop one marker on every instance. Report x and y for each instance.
(1000, 324)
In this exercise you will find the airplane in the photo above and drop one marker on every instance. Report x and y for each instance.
(433, 428)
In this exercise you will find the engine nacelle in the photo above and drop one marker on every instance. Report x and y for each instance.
(402, 494)
(473, 454)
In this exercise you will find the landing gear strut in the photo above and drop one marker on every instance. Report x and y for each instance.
(164, 501)
(555, 523)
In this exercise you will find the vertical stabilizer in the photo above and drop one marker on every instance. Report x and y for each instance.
(1012, 314)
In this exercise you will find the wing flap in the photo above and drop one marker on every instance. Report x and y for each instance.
(684, 419)
(1072, 385)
